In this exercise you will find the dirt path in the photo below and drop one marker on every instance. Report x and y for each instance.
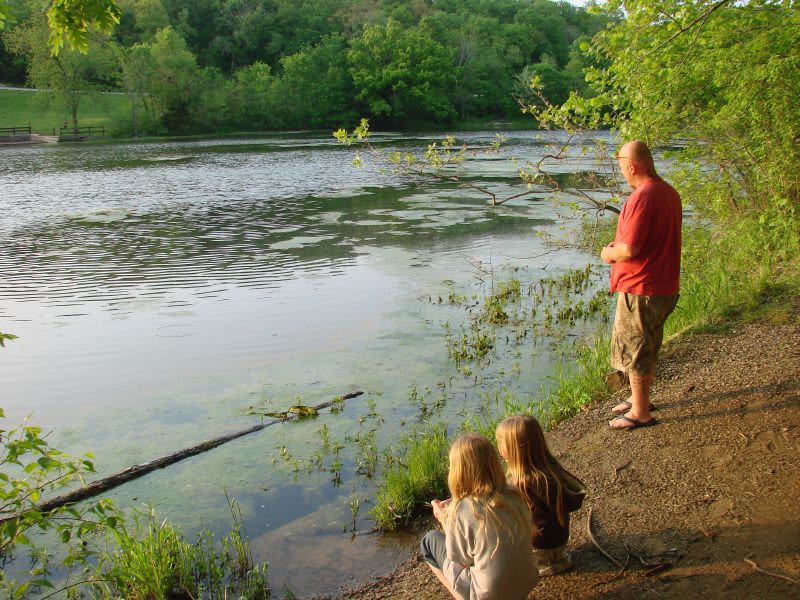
(714, 485)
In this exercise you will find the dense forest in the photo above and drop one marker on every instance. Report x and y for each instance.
(207, 65)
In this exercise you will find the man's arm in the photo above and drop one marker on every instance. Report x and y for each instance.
(618, 252)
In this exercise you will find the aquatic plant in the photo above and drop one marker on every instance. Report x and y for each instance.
(325, 435)
(416, 472)
(355, 505)
(473, 344)
(148, 559)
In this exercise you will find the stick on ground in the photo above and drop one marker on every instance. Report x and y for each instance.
(760, 570)
(597, 545)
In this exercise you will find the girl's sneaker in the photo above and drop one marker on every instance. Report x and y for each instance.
(552, 561)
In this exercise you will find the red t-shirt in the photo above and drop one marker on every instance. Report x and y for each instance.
(651, 222)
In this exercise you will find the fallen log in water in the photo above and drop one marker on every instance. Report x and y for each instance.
(136, 471)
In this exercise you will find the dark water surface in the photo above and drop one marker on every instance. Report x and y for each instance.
(159, 290)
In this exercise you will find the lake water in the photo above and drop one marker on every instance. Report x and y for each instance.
(160, 290)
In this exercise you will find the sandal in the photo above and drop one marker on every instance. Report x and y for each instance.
(627, 404)
(632, 423)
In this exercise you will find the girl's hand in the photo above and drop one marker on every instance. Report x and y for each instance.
(440, 509)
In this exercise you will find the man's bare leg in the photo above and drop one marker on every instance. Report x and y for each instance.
(640, 400)
(640, 396)
(623, 407)
(440, 576)
(640, 387)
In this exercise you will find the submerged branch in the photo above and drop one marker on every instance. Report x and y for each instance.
(136, 471)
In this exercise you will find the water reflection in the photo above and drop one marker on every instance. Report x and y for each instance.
(116, 254)
(161, 289)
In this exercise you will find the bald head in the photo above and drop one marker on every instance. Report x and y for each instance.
(639, 154)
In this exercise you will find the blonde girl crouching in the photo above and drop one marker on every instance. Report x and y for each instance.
(484, 553)
(550, 491)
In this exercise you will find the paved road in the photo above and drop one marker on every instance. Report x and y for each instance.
(18, 89)
(26, 89)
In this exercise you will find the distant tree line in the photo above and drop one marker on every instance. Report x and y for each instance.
(215, 65)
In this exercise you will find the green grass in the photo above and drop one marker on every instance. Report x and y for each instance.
(418, 475)
(738, 275)
(43, 112)
(152, 561)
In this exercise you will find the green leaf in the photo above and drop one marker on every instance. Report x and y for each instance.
(21, 590)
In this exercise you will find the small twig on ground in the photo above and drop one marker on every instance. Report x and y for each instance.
(746, 439)
(760, 570)
(618, 470)
(595, 543)
(709, 533)
(656, 568)
(618, 574)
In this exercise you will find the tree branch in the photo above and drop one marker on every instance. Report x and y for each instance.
(694, 22)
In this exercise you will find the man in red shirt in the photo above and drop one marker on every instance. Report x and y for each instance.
(645, 259)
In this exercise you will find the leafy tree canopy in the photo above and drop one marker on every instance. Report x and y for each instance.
(72, 20)
(722, 74)
(401, 73)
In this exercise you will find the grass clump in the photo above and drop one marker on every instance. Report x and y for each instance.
(733, 273)
(494, 307)
(417, 476)
(577, 383)
(479, 338)
(473, 344)
(152, 561)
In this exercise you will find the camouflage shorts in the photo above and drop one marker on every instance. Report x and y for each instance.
(639, 331)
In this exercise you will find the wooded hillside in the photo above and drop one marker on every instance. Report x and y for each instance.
(206, 65)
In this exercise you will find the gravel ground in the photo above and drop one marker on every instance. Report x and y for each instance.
(694, 506)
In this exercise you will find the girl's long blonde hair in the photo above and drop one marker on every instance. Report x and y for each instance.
(531, 466)
(476, 473)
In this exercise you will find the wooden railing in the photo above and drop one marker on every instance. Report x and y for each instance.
(15, 134)
(4, 131)
(72, 134)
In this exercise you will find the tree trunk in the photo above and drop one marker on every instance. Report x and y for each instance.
(74, 110)
(134, 115)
